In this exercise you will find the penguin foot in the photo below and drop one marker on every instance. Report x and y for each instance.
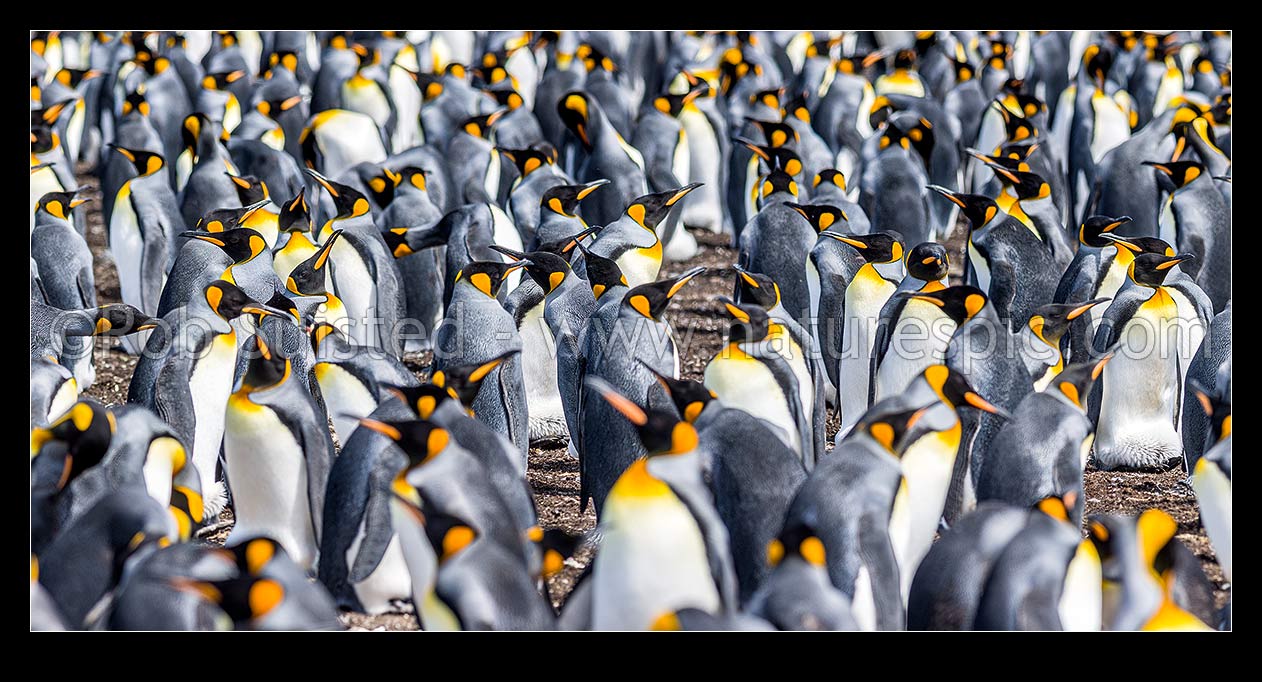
(1139, 453)
(548, 432)
(214, 500)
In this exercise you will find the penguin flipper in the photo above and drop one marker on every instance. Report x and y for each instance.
(378, 528)
(1113, 322)
(84, 282)
(1003, 292)
(890, 313)
(569, 357)
(877, 553)
(173, 402)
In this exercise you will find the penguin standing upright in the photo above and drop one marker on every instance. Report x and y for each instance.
(64, 263)
(208, 187)
(536, 174)
(143, 228)
(918, 330)
(1139, 413)
(422, 273)
(1099, 124)
(1042, 450)
(639, 339)
(892, 187)
(365, 276)
(777, 240)
(277, 455)
(1196, 220)
(607, 156)
(477, 329)
(557, 213)
(472, 158)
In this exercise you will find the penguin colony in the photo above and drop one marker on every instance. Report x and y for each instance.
(290, 213)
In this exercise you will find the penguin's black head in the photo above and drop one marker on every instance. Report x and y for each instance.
(250, 190)
(905, 59)
(649, 210)
(928, 261)
(507, 98)
(564, 247)
(199, 132)
(1018, 152)
(480, 126)
(349, 202)
(734, 67)
(880, 112)
(778, 181)
(285, 59)
(547, 269)
(778, 134)
(135, 102)
(71, 78)
(466, 380)
(1217, 406)
(961, 302)
(756, 288)
(690, 397)
(120, 319)
(1026, 185)
(230, 302)
(421, 440)
(797, 108)
(661, 432)
(776, 153)
(1094, 228)
(672, 105)
(750, 322)
(830, 175)
(557, 545)
(594, 59)
(1180, 172)
(275, 108)
(308, 278)
(85, 430)
(59, 204)
(526, 161)
(1074, 383)
(1220, 113)
(405, 241)
(877, 247)
(267, 366)
(1049, 322)
(245, 598)
(979, 209)
(221, 80)
(563, 199)
(382, 184)
(821, 217)
(889, 427)
(423, 399)
(1017, 128)
(954, 390)
(295, 216)
(146, 163)
(488, 276)
(242, 244)
(799, 540)
(575, 108)
(650, 300)
(602, 273)
(918, 131)
(1097, 59)
(1150, 269)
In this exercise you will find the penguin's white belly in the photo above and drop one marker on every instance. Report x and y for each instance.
(919, 340)
(1112, 126)
(638, 267)
(1213, 494)
(127, 246)
(863, 119)
(747, 384)
(210, 384)
(900, 528)
(539, 373)
(74, 132)
(981, 267)
(652, 561)
(388, 581)
(751, 184)
(367, 98)
(347, 138)
(357, 289)
(863, 604)
(703, 208)
(492, 180)
(846, 162)
(1138, 407)
(927, 466)
(864, 298)
(83, 368)
(422, 568)
(1167, 228)
(274, 138)
(506, 234)
(407, 104)
(66, 395)
(1063, 121)
(1081, 600)
(183, 169)
(345, 397)
(991, 134)
(267, 471)
(158, 470)
(1171, 86)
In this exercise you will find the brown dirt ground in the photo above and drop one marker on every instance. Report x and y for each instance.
(553, 474)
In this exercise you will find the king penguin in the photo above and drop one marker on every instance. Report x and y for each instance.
(902, 320)
(632, 240)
